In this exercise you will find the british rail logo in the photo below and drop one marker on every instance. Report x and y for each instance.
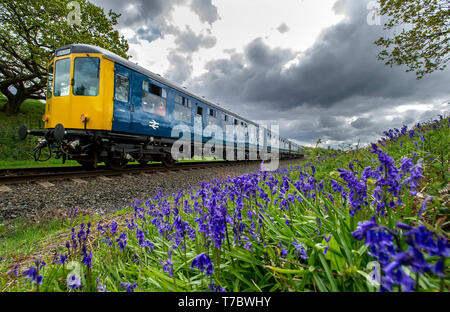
(154, 124)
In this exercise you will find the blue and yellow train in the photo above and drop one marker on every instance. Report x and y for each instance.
(101, 107)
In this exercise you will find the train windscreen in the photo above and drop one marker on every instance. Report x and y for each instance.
(86, 76)
(62, 77)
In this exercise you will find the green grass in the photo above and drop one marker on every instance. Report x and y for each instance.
(11, 148)
(5, 164)
(309, 218)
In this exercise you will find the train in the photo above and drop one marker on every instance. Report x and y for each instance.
(101, 107)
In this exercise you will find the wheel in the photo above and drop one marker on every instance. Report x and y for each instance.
(168, 161)
(116, 163)
(86, 164)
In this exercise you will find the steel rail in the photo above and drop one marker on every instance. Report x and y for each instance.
(25, 175)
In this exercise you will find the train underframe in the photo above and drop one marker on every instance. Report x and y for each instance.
(90, 147)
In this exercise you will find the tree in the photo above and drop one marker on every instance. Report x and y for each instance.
(423, 43)
(31, 31)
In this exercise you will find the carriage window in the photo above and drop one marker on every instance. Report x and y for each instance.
(212, 113)
(156, 90)
(183, 101)
(199, 111)
(50, 82)
(62, 77)
(122, 88)
(212, 117)
(145, 86)
(153, 103)
(183, 113)
(86, 76)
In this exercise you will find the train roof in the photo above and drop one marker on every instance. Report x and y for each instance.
(87, 48)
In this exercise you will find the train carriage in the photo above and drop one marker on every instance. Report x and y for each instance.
(101, 107)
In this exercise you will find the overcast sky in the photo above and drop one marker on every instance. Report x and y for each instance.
(309, 66)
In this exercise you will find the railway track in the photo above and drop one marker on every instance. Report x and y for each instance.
(25, 175)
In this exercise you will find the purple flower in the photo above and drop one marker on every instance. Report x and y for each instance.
(15, 270)
(423, 207)
(32, 274)
(299, 249)
(130, 287)
(168, 265)
(87, 257)
(216, 288)
(203, 262)
(122, 241)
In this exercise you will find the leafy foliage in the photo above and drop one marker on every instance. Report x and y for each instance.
(423, 43)
(31, 31)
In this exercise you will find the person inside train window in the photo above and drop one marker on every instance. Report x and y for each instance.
(161, 109)
(152, 102)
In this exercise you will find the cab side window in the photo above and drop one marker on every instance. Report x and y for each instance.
(121, 92)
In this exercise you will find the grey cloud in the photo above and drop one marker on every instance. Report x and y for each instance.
(362, 123)
(156, 13)
(145, 12)
(188, 41)
(327, 121)
(205, 10)
(338, 76)
(180, 67)
(283, 28)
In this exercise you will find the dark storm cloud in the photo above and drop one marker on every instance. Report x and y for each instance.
(339, 76)
(155, 14)
(361, 123)
(188, 41)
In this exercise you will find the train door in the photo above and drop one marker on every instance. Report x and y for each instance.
(123, 107)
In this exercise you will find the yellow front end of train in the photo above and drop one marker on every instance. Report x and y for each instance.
(80, 91)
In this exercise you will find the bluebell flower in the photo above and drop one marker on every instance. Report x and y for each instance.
(122, 241)
(129, 286)
(203, 263)
(32, 274)
(87, 257)
(216, 288)
(299, 249)
(15, 270)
